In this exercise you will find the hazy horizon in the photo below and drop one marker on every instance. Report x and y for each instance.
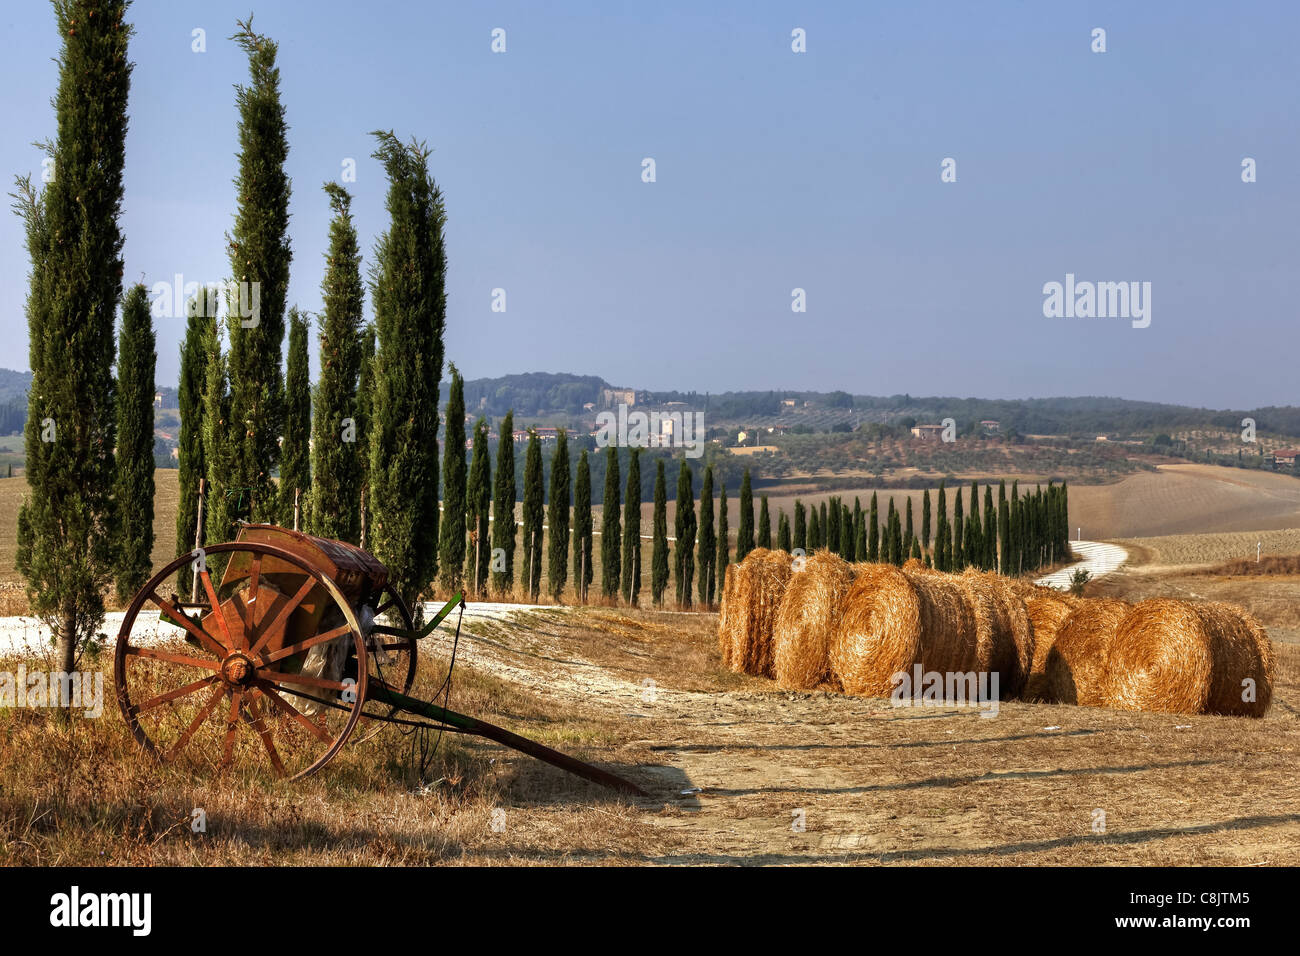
(775, 170)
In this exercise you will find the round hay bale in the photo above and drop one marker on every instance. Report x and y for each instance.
(1047, 610)
(726, 615)
(760, 581)
(1002, 630)
(1184, 658)
(1079, 657)
(892, 619)
(806, 619)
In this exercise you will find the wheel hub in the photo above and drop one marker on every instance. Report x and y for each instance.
(237, 670)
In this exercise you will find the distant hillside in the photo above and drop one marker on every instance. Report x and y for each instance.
(14, 385)
(532, 393)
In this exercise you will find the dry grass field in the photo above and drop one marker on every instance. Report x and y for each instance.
(731, 765)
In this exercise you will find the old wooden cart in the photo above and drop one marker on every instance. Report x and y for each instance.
(303, 639)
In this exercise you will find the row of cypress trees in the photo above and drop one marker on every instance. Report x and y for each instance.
(1015, 536)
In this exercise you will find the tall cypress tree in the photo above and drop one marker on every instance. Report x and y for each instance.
(1016, 531)
(783, 532)
(557, 517)
(860, 537)
(451, 541)
(941, 535)
(408, 293)
(908, 534)
(764, 525)
(365, 413)
(824, 536)
(708, 547)
(611, 538)
(724, 542)
(189, 445)
(136, 358)
(582, 528)
(222, 503)
(503, 509)
(685, 526)
(895, 535)
(873, 531)
(974, 533)
(831, 527)
(745, 533)
(533, 516)
(631, 575)
(659, 555)
(337, 454)
(1004, 528)
(989, 559)
(64, 523)
(478, 504)
(858, 526)
(957, 556)
(295, 451)
(259, 263)
(814, 532)
(925, 521)
(800, 527)
(846, 533)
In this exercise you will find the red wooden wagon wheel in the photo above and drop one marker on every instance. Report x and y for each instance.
(260, 673)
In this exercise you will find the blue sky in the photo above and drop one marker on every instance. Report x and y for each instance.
(775, 170)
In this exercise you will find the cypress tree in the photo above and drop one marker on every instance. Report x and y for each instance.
(532, 517)
(708, 547)
(189, 445)
(783, 532)
(222, 504)
(410, 304)
(800, 540)
(631, 575)
(1015, 534)
(503, 509)
(764, 525)
(295, 452)
(685, 526)
(583, 573)
(925, 521)
(957, 556)
(365, 406)
(478, 505)
(337, 452)
(64, 541)
(745, 534)
(814, 532)
(823, 532)
(611, 538)
(1004, 528)
(860, 538)
(451, 541)
(873, 531)
(846, 533)
(659, 554)
(857, 526)
(989, 560)
(724, 543)
(895, 535)
(974, 533)
(941, 536)
(136, 358)
(831, 526)
(259, 263)
(916, 549)
(557, 517)
(908, 535)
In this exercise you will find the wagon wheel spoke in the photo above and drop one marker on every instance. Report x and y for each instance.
(280, 679)
(287, 708)
(198, 720)
(384, 607)
(250, 612)
(182, 659)
(216, 608)
(153, 702)
(232, 728)
(258, 724)
(283, 613)
(291, 649)
(199, 634)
